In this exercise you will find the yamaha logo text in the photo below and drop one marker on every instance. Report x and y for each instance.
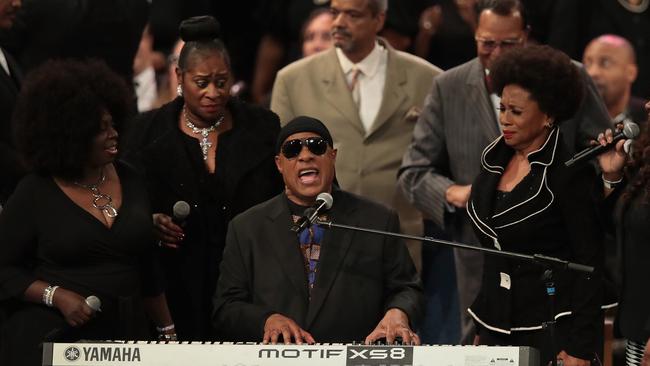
(102, 354)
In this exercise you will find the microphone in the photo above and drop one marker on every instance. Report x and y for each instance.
(324, 202)
(630, 131)
(180, 211)
(68, 333)
(94, 303)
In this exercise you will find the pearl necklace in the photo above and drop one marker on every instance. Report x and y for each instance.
(204, 143)
(101, 201)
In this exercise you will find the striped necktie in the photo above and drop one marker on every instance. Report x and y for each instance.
(355, 88)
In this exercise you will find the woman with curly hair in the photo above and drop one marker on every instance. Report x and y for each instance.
(79, 225)
(526, 200)
(626, 183)
(211, 151)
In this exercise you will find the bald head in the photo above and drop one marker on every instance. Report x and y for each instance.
(617, 43)
(611, 62)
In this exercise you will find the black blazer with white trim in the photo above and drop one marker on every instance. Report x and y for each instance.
(551, 212)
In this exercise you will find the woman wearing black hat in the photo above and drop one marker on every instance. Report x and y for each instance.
(215, 153)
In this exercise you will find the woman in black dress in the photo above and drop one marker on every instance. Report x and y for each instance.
(80, 224)
(215, 153)
(526, 200)
(626, 183)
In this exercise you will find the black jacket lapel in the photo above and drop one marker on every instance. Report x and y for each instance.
(286, 246)
(336, 244)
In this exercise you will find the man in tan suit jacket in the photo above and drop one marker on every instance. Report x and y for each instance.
(369, 151)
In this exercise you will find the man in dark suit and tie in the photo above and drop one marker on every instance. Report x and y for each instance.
(10, 76)
(319, 285)
(458, 121)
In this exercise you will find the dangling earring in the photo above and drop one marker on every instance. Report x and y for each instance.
(549, 124)
(179, 91)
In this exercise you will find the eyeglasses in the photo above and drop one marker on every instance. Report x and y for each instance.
(490, 44)
(292, 148)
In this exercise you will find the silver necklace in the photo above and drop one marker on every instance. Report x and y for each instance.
(101, 201)
(634, 8)
(204, 143)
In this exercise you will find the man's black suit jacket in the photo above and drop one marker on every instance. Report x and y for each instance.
(360, 275)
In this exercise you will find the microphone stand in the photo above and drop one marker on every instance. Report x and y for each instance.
(543, 260)
(534, 258)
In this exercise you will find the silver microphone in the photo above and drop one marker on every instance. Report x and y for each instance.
(180, 211)
(324, 202)
(94, 303)
(630, 131)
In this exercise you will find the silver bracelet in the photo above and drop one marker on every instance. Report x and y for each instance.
(610, 184)
(163, 337)
(48, 295)
(166, 328)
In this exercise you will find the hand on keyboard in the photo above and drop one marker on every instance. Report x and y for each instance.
(398, 341)
(279, 327)
(394, 324)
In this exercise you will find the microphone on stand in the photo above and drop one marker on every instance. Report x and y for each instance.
(323, 203)
(180, 212)
(630, 131)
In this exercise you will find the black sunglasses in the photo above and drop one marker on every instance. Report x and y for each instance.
(292, 148)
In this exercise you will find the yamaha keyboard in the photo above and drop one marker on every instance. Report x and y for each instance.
(122, 353)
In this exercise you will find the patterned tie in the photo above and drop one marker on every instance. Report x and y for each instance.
(354, 86)
(310, 247)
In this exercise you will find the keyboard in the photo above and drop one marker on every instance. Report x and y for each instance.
(122, 353)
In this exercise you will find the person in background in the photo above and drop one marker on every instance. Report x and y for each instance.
(10, 80)
(79, 224)
(626, 185)
(80, 29)
(610, 60)
(526, 200)
(168, 87)
(144, 73)
(315, 285)
(213, 152)
(281, 22)
(316, 32)
(571, 25)
(446, 33)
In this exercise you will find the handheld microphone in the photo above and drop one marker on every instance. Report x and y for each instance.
(180, 211)
(68, 333)
(94, 303)
(324, 202)
(630, 131)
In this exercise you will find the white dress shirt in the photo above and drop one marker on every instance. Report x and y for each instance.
(371, 81)
(496, 102)
(3, 62)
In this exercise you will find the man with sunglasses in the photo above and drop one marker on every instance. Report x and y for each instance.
(459, 120)
(368, 94)
(318, 285)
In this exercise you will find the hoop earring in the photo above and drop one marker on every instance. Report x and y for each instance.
(179, 91)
